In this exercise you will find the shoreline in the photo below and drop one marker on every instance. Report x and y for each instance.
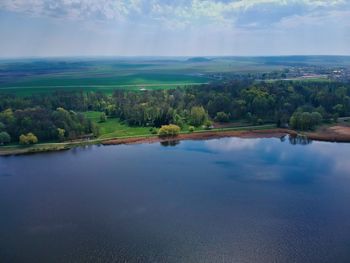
(328, 137)
(203, 135)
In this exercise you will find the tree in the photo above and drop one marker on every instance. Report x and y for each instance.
(103, 117)
(27, 139)
(178, 120)
(23, 139)
(305, 120)
(222, 117)
(111, 110)
(4, 138)
(339, 109)
(294, 121)
(32, 139)
(169, 130)
(2, 127)
(74, 125)
(7, 116)
(198, 116)
(316, 119)
(61, 134)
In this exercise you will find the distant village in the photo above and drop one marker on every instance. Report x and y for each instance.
(340, 74)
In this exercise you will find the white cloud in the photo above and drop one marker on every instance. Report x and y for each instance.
(74, 9)
(183, 12)
(336, 18)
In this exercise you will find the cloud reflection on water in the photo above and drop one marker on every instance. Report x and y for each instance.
(231, 144)
(276, 160)
(335, 153)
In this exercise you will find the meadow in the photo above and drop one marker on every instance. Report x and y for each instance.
(113, 127)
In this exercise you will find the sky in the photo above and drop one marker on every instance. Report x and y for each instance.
(51, 28)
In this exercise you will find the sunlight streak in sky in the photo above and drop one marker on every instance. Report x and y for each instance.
(165, 27)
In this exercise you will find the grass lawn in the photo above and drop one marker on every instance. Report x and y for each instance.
(113, 127)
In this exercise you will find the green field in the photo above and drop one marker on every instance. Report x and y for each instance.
(28, 77)
(31, 76)
(113, 128)
(30, 90)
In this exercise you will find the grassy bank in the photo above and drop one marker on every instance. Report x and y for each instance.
(141, 137)
(113, 127)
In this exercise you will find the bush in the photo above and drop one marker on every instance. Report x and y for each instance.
(191, 129)
(30, 138)
(169, 130)
(61, 134)
(103, 117)
(4, 138)
(208, 124)
(153, 130)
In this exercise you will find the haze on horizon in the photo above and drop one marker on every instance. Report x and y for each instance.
(45, 28)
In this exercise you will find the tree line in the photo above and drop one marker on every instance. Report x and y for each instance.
(33, 124)
(58, 116)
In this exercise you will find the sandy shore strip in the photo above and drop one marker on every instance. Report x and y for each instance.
(271, 133)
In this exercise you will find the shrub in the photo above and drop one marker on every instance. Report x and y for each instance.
(208, 124)
(30, 138)
(169, 130)
(153, 130)
(191, 129)
(103, 117)
(61, 134)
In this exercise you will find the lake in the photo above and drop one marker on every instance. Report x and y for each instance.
(225, 200)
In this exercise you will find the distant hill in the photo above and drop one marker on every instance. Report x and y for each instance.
(198, 59)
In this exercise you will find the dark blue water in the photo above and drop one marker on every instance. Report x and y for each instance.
(227, 200)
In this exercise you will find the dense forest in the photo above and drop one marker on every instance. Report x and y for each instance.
(58, 116)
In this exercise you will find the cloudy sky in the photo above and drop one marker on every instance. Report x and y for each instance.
(173, 27)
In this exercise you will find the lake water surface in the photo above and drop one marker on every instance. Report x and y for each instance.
(227, 200)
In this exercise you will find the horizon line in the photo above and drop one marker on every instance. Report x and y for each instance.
(170, 56)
